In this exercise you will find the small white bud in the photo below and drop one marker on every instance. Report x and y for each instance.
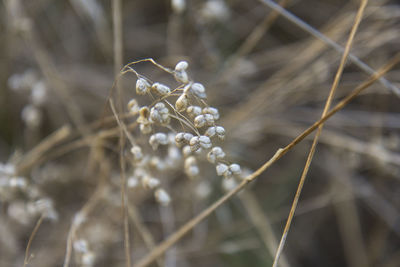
(80, 246)
(181, 76)
(162, 197)
(220, 132)
(198, 90)
(215, 155)
(132, 182)
(200, 121)
(133, 106)
(161, 89)
(193, 111)
(160, 114)
(158, 139)
(18, 182)
(186, 151)
(142, 86)
(194, 143)
(205, 142)
(221, 169)
(235, 168)
(150, 182)
(209, 119)
(213, 111)
(181, 65)
(39, 93)
(88, 258)
(137, 152)
(228, 184)
(181, 103)
(191, 168)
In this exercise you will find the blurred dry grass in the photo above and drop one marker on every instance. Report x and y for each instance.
(268, 77)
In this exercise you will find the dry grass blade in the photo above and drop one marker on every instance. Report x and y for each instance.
(162, 247)
(28, 246)
(329, 42)
(315, 141)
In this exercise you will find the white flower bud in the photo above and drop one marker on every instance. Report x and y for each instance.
(181, 103)
(194, 143)
(220, 132)
(209, 119)
(133, 106)
(215, 155)
(181, 65)
(162, 197)
(235, 168)
(80, 246)
(88, 259)
(137, 153)
(198, 90)
(186, 151)
(142, 86)
(213, 111)
(200, 121)
(205, 142)
(132, 182)
(39, 93)
(211, 131)
(193, 111)
(191, 168)
(228, 184)
(150, 182)
(161, 89)
(160, 114)
(181, 76)
(158, 139)
(32, 116)
(221, 169)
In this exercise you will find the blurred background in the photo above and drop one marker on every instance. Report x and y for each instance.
(268, 77)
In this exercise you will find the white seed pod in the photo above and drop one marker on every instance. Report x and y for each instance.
(191, 168)
(162, 197)
(220, 132)
(174, 153)
(144, 115)
(211, 131)
(194, 143)
(132, 182)
(161, 89)
(181, 76)
(221, 169)
(209, 119)
(137, 153)
(142, 86)
(228, 184)
(193, 111)
(158, 139)
(216, 154)
(133, 106)
(157, 163)
(160, 114)
(181, 65)
(39, 93)
(80, 246)
(235, 168)
(32, 116)
(198, 90)
(17, 182)
(213, 111)
(186, 151)
(88, 259)
(205, 142)
(181, 103)
(150, 182)
(200, 121)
